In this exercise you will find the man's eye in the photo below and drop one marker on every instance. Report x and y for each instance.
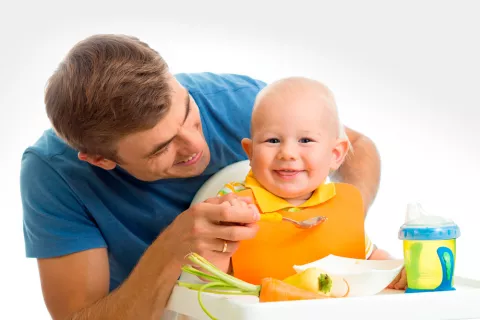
(305, 140)
(160, 152)
(273, 140)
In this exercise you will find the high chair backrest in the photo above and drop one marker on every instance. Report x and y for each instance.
(234, 172)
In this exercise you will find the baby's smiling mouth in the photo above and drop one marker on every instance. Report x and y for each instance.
(287, 173)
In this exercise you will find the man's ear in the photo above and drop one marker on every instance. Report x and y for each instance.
(247, 147)
(339, 153)
(98, 161)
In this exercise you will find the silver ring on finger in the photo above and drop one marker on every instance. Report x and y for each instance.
(225, 245)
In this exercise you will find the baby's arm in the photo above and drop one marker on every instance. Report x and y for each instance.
(373, 253)
(380, 254)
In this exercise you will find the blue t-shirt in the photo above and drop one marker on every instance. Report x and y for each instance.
(70, 205)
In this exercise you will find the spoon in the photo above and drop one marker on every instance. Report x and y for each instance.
(304, 224)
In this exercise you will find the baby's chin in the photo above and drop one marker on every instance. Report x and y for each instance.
(302, 194)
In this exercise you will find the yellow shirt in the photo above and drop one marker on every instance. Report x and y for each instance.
(268, 202)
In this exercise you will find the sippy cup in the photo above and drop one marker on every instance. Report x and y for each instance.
(429, 244)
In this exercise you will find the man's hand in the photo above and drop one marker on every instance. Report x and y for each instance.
(209, 227)
(400, 282)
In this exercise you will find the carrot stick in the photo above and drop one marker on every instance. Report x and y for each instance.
(277, 290)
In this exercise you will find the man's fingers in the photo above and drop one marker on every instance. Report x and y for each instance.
(228, 197)
(255, 210)
(235, 232)
(227, 213)
(248, 200)
(239, 203)
(249, 225)
(235, 202)
(225, 198)
(225, 246)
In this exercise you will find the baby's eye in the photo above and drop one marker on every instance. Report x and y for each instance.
(305, 140)
(273, 140)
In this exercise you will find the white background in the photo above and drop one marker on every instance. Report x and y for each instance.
(405, 74)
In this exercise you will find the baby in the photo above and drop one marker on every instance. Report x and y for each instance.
(296, 141)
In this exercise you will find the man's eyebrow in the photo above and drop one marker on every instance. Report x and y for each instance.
(163, 145)
(187, 108)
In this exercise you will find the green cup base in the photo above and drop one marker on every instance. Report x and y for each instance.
(410, 290)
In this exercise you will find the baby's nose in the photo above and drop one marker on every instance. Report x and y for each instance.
(287, 152)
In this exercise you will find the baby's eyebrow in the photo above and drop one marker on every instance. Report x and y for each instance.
(319, 133)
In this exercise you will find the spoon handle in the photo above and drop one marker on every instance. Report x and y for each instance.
(271, 217)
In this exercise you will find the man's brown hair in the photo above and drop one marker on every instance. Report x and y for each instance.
(108, 86)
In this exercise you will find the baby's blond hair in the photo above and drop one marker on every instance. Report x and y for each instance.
(341, 133)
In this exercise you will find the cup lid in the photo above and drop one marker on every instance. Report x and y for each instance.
(419, 225)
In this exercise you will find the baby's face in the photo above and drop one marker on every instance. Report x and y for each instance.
(294, 142)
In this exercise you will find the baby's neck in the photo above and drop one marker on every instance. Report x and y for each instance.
(299, 200)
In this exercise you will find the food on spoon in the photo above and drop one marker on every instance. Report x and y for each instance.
(317, 280)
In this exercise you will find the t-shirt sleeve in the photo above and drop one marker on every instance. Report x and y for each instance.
(55, 223)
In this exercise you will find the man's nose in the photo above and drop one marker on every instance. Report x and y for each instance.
(186, 138)
(288, 151)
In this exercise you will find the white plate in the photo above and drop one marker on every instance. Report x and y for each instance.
(365, 277)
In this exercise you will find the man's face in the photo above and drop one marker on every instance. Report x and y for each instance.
(174, 148)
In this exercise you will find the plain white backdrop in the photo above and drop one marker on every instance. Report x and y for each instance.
(404, 73)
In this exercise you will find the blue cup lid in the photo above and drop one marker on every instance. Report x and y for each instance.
(421, 226)
(429, 233)
(429, 228)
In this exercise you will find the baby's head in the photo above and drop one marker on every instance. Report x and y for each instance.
(296, 137)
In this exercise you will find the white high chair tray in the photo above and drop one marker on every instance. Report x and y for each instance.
(464, 303)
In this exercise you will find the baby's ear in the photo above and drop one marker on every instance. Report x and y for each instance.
(339, 153)
(247, 147)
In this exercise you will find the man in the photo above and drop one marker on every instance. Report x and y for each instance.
(106, 194)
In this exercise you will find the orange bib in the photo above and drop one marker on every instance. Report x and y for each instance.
(278, 246)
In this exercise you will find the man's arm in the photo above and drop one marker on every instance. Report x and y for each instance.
(76, 286)
(72, 255)
(361, 167)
